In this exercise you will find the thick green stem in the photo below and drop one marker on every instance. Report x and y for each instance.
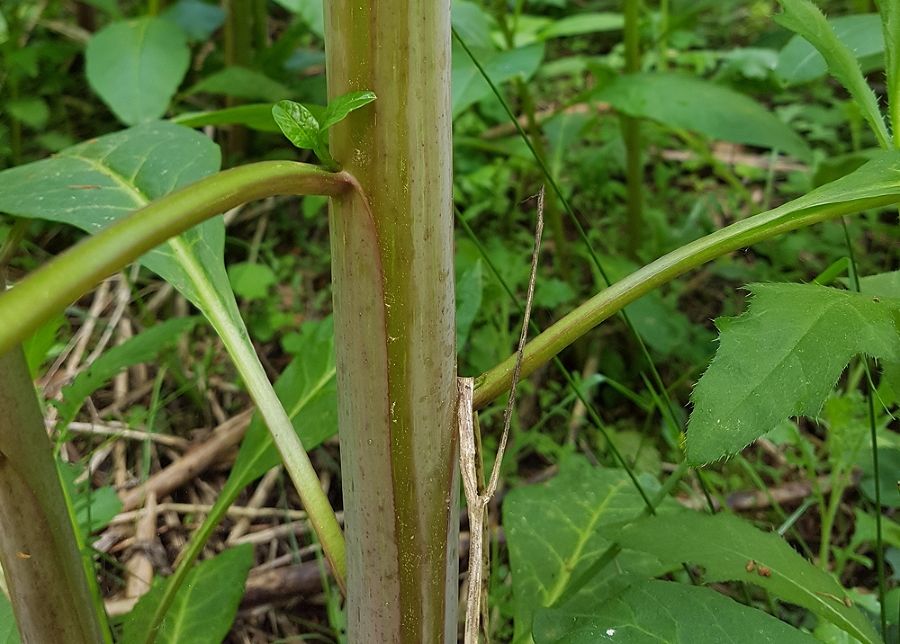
(392, 265)
(613, 299)
(70, 275)
(52, 588)
(73, 273)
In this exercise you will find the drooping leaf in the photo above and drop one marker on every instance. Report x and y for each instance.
(804, 18)
(143, 347)
(136, 66)
(338, 108)
(799, 62)
(204, 606)
(548, 554)
(469, 86)
(240, 82)
(809, 333)
(690, 103)
(660, 611)
(730, 549)
(257, 116)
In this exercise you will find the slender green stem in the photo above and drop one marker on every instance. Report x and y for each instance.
(657, 378)
(570, 380)
(70, 275)
(662, 271)
(879, 535)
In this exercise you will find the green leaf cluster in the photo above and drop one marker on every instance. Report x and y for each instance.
(306, 126)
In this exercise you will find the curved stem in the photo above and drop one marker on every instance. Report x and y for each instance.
(73, 273)
(610, 301)
(70, 275)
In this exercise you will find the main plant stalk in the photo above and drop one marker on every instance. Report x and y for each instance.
(392, 264)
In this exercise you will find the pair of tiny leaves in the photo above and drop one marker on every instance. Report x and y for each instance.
(305, 125)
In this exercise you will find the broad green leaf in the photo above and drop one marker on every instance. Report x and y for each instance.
(136, 67)
(340, 107)
(690, 103)
(95, 183)
(469, 288)
(204, 607)
(805, 18)
(240, 82)
(472, 24)
(582, 23)
(143, 347)
(730, 549)
(33, 112)
(9, 632)
(548, 554)
(661, 611)
(257, 116)
(881, 285)
(809, 333)
(468, 84)
(251, 281)
(297, 123)
(799, 62)
(196, 18)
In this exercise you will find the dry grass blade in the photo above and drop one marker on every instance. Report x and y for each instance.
(476, 500)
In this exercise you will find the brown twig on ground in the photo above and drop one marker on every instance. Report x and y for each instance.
(260, 494)
(139, 568)
(223, 438)
(786, 494)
